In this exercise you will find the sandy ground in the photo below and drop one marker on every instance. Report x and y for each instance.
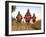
(25, 26)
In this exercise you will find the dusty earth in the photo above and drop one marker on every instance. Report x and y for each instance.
(16, 26)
